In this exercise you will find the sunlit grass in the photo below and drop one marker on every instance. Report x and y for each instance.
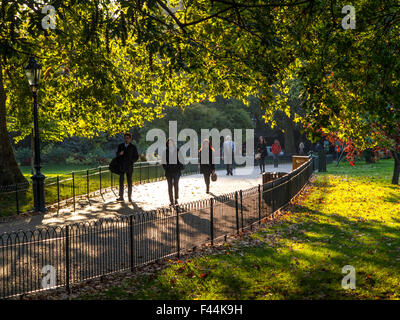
(351, 216)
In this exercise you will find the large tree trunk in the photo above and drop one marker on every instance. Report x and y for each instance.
(9, 171)
(396, 171)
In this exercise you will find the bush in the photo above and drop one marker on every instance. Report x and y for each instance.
(54, 154)
(23, 156)
(96, 157)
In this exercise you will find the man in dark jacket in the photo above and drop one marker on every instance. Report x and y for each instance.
(127, 155)
(172, 167)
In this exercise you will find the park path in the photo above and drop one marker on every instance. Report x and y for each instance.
(145, 197)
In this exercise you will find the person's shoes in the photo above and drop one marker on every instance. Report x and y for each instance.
(120, 199)
(176, 201)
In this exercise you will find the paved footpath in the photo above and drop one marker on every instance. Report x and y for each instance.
(145, 197)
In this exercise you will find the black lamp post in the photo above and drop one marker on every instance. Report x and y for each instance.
(33, 72)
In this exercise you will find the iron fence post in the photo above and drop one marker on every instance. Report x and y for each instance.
(140, 172)
(259, 204)
(178, 244)
(87, 183)
(241, 208)
(58, 194)
(73, 189)
(100, 178)
(16, 197)
(273, 197)
(131, 240)
(212, 221)
(67, 259)
(237, 212)
(148, 172)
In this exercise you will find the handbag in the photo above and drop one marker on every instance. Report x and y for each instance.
(115, 166)
(214, 176)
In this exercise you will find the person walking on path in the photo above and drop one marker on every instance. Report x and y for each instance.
(276, 150)
(261, 152)
(301, 148)
(228, 151)
(127, 155)
(206, 162)
(173, 168)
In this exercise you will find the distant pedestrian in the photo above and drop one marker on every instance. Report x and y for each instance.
(228, 152)
(206, 162)
(261, 153)
(173, 168)
(276, 150)
(127, 155)
(301, 148)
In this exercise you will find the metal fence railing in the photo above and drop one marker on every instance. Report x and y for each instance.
(16, 199)
(62, 256)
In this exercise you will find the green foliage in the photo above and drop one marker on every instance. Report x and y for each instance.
(23, 156)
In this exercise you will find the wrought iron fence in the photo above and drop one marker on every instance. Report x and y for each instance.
(85, 184)
(78, 252)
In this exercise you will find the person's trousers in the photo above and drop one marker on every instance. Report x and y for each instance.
(276, 161)
(121, 183)
(261, 162)
(173, 182)
(229, 169)
(207, 176)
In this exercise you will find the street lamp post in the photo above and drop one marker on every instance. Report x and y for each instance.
(33, 72)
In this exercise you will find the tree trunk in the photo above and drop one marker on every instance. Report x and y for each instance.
(290, 146)
(9, 170)
(396, 171)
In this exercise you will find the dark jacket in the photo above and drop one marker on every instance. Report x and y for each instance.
(210, 166)
(129, 157)
(172, 168)
(261, 148)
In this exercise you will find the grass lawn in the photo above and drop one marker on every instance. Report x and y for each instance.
(54, 170)
(349, 216)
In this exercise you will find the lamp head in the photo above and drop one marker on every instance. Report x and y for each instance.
(33, 72)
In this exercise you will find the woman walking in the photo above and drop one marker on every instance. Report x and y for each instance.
(261, 151)
(172, 167)
(207, 166)
(276, 150)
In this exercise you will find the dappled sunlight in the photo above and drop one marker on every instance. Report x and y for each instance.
(338, 222)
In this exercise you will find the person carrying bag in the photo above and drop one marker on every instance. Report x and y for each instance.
(173, 168)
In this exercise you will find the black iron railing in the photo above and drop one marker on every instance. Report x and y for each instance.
(83, 184)
(62, 256)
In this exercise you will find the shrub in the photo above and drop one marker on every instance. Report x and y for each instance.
(23, 156)
(54, 154)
